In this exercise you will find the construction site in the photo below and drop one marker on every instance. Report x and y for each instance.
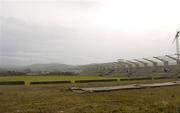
(89, 56)
(159, 66)
(156, 66)
(147, 85)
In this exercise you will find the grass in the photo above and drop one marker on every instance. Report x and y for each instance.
(57, 99)
(28, 79)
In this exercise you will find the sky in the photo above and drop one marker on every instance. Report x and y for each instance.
(86, 31)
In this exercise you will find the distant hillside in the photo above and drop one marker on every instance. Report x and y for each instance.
(54, 67)
(51, 67)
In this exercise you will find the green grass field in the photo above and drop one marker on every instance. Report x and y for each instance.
(58, 99)
(28, 79)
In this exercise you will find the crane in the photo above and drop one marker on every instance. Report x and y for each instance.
(177, 43)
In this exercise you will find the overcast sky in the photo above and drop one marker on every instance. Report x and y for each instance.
(86, 31)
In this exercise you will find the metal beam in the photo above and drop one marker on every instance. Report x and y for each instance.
(135, 63)
(176, 59)
(144, 63)
(162, 60)
(165, 62)
(152, 61)
(128, 66)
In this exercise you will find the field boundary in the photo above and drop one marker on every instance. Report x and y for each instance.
(49, 82)
(12, 82)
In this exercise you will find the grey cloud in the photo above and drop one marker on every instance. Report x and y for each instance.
(25, 43)
(20, 39)
(28, 43)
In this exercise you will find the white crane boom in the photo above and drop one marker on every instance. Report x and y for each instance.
(177, 43)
